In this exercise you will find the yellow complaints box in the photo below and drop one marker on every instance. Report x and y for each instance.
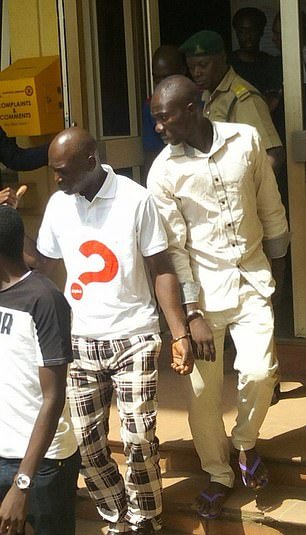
(31, 97)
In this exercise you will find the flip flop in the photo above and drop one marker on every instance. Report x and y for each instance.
(251, 472)
(211, 499)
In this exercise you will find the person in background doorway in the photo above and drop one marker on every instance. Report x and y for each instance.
(222, 211)
(249, 61)
(113, 241)
(167, 60)
(228, 97)
(39, 459)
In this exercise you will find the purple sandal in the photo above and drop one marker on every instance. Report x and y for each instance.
(211, 499)
(251, 472)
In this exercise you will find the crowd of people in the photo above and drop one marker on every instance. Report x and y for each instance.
(200, 243)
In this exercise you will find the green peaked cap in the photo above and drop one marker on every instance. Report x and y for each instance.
(204, 43)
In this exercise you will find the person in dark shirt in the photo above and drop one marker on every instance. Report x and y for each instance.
(18, 158)
(249, 61)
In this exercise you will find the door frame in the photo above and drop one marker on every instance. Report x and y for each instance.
(79, 83)
(293, 99)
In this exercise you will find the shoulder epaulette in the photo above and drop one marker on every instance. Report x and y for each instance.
(241, 92)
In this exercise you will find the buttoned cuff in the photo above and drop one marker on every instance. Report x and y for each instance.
(190, 292)
(277, 247)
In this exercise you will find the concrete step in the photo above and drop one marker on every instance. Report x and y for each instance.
(282, 445)
(178, 457)
(275, 510)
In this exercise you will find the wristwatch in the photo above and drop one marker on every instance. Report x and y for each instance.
(23, 482)
(193, 314)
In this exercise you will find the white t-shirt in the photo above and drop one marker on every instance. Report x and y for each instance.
(103, 243)
(34, 332)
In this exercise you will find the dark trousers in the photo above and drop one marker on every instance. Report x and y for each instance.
(52, 497)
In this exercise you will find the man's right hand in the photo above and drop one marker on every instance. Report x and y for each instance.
(11, 197)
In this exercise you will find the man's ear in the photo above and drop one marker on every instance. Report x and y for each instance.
(190, 107)
(92, 162)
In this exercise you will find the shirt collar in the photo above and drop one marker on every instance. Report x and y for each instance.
(222, 132)
(109, 186)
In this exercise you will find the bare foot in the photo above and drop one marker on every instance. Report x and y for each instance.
(210, 501)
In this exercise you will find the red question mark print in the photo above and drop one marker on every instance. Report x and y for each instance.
(106, 274)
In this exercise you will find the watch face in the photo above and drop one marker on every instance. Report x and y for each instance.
(23, 481)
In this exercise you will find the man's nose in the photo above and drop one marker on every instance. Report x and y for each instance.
(159, 127)
(196, 71)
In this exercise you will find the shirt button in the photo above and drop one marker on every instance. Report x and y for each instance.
(233, 245)
(229, 224)
(217, 179)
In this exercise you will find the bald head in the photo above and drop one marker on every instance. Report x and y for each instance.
(177, 109)
(168, 60)
(74, 158)
(73, 142)
(178, 89)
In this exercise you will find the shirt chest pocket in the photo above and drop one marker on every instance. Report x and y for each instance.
(232, 178)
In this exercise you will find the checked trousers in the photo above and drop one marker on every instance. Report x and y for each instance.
(127, 367)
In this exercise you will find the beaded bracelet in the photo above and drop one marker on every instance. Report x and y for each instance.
(187, 335)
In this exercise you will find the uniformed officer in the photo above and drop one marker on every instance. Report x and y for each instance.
(228, 97)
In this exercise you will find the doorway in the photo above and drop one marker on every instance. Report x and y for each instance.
(144, 25)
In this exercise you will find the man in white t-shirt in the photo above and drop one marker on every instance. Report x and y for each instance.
(39, 459)
(108, 231)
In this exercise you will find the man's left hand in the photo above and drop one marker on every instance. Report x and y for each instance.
(202, 339)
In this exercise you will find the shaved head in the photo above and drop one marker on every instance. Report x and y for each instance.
(74, 141)
(74, 158)
(178, 89)
(176, 106)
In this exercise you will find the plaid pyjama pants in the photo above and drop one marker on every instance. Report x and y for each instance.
(128, 367)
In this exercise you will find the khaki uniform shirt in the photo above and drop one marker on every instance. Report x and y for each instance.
(218, 209)
(237, 101)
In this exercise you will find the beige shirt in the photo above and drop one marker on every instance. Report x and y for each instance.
(217, 209)
(236, 100)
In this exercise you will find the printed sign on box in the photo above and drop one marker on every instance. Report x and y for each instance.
(31, 97)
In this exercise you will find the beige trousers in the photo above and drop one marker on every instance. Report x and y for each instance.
(251, 328)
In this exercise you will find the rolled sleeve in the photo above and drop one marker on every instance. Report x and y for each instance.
(277, 247)
(190, 292)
